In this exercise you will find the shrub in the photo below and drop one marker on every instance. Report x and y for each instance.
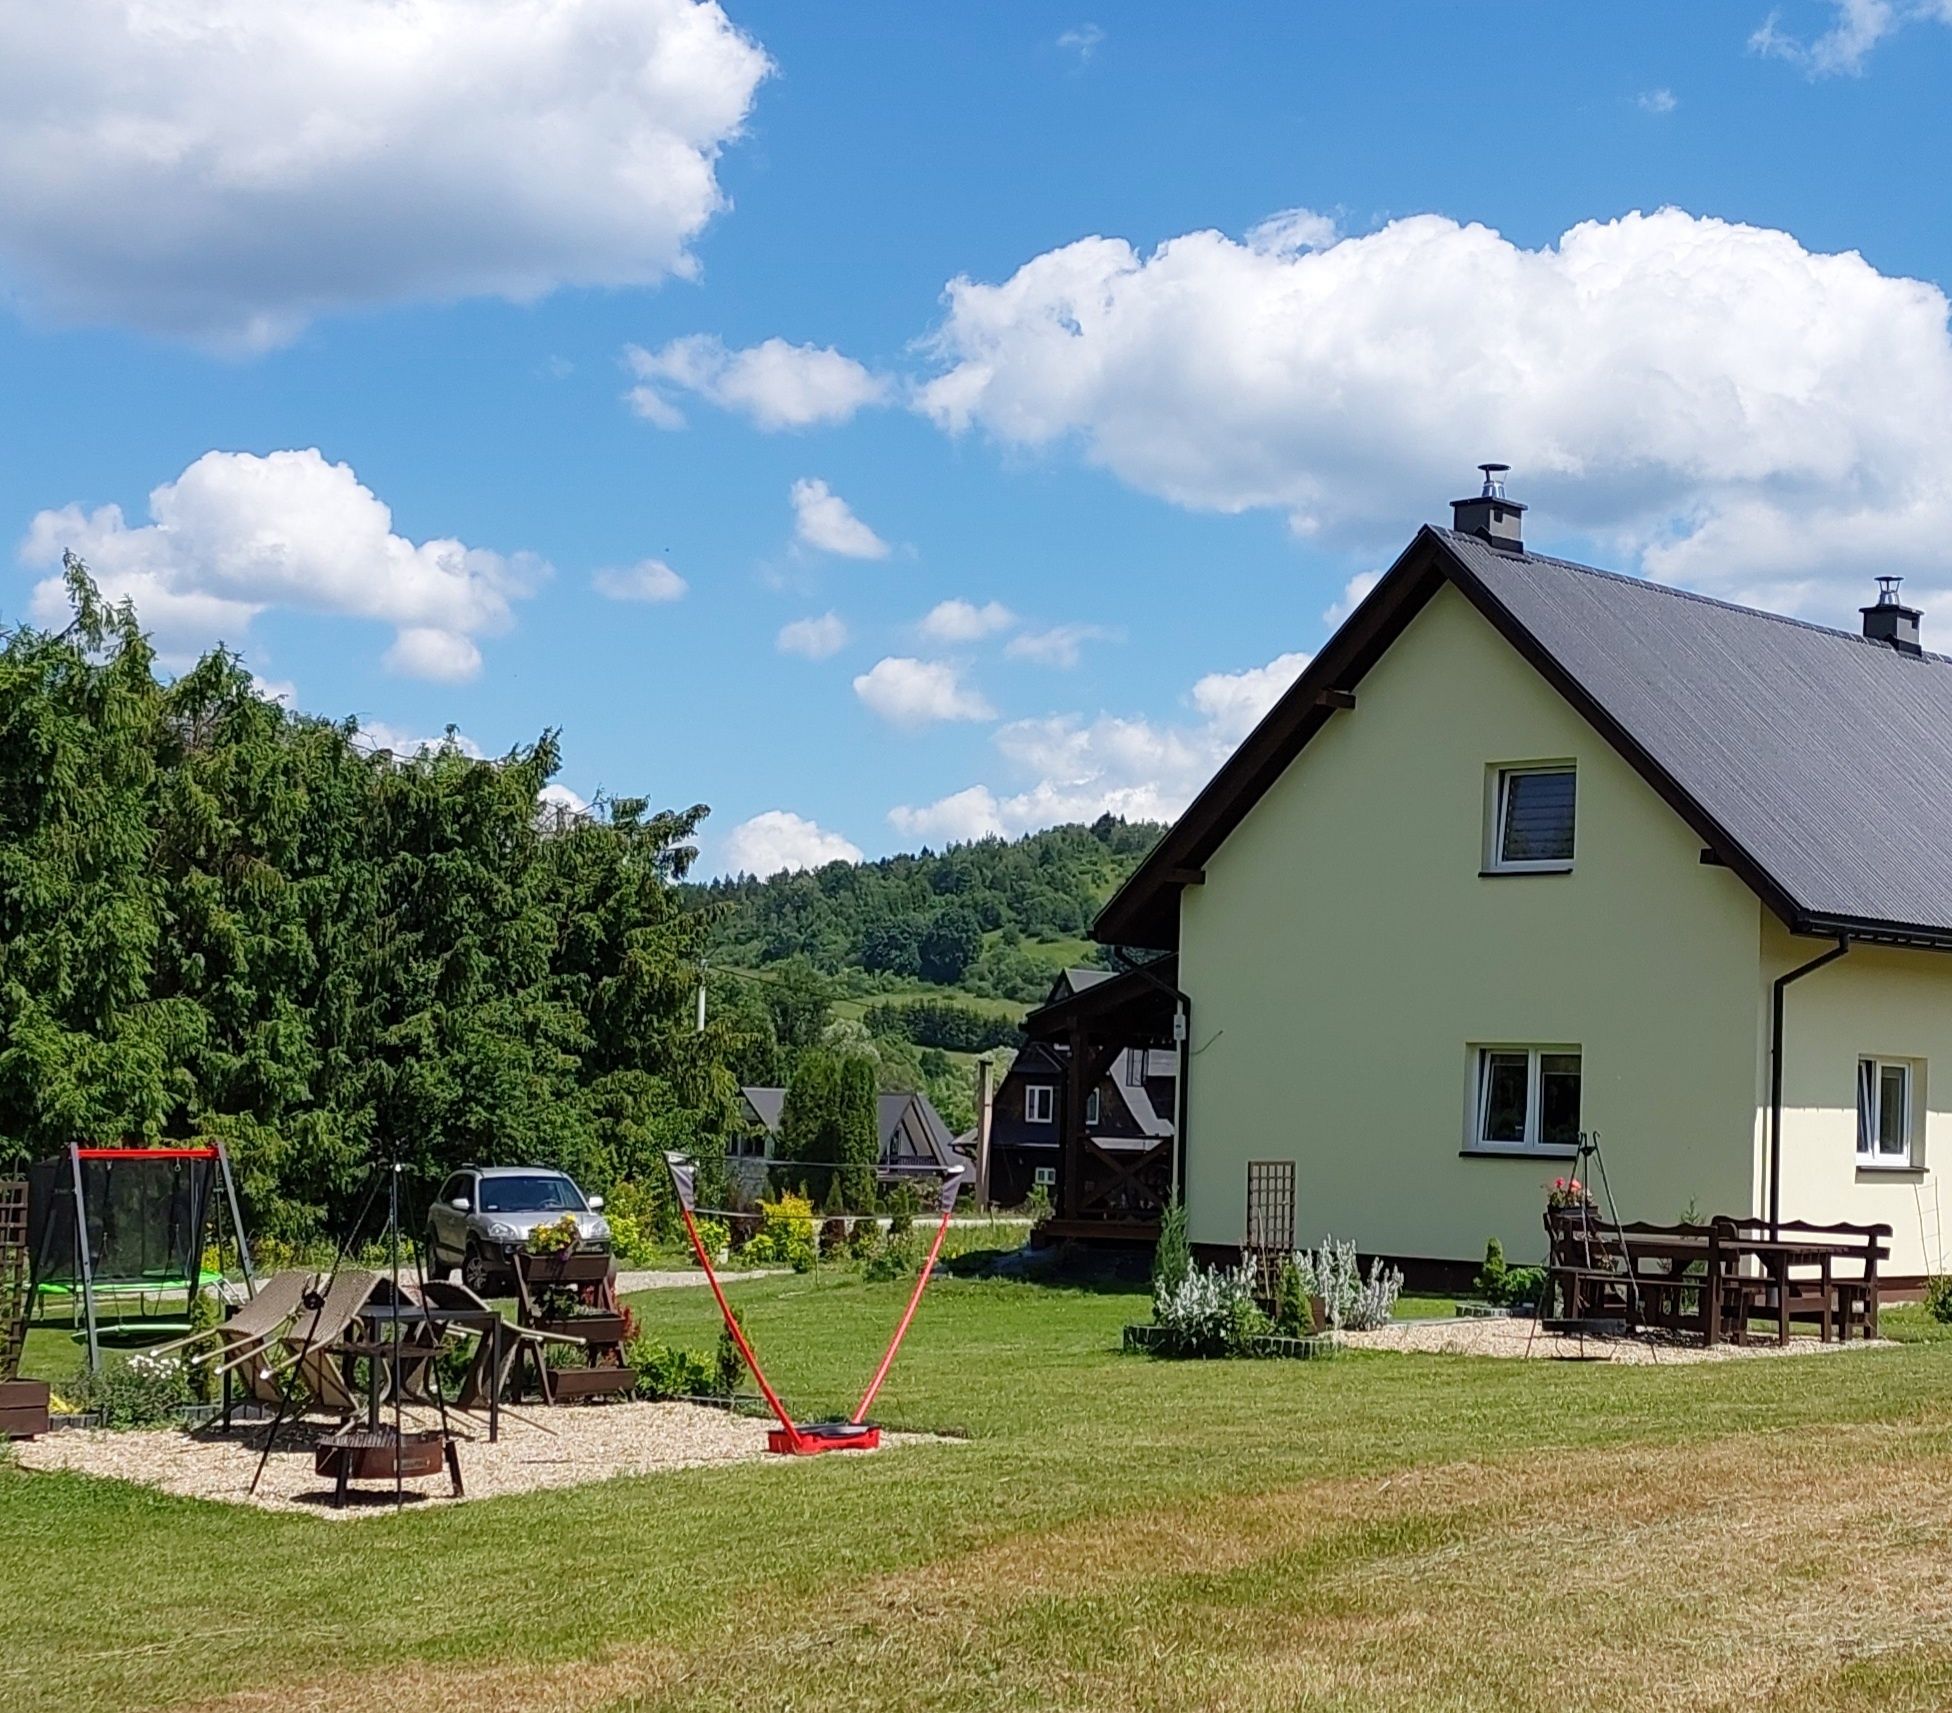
(1171, 1258)
(863, 1238)
(1522, 1286)
(894, 1259)
(138, 1392)
(1351, 1302)
(713, 1236)
(206, 1311)
(833, 1237)
(1491, 1276)
(1294, 1315)
(1938, 1297)
(902, 1204)
(671, 1370)
(1210, 1312)
(1038, 1204)
(730, 1364)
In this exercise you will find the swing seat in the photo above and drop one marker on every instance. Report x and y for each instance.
(809, 1439)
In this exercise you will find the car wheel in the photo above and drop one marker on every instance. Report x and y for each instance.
(436, 1267)
(478, 1273)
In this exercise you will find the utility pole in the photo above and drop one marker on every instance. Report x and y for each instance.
(701, 997)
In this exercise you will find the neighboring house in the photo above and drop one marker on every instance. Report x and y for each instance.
(1128, 1107)
(1531, 850)
(915, 1143)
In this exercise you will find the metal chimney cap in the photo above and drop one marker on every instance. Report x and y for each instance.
(1494, 481)
(1887, 590)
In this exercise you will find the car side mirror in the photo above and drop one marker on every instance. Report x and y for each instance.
(459, 1204)
(596, 1204)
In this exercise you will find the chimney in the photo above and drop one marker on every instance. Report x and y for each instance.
(1890, 620)
(1489, 515)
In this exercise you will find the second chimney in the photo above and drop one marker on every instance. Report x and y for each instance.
(1890, 620)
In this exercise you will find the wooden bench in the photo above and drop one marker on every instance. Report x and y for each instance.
(1800, 1271)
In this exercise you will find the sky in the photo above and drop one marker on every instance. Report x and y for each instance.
(894, 424)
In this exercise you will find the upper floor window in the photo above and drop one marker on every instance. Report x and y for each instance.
(1532, 819)
(1091, 1108)
(1526, 1099)
(1039, 1101)
(1886, 1108)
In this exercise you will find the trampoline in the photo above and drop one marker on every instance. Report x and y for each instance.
(110, 1227)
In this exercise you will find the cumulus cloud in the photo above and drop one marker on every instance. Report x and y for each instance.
(229, 169)
(823, 520)
(957, 620)
(779, 839)
(1084, 40)
(556, 804)
(912, 693)
(376, 735)
(1712, 399)
(1658, 102)
(1857, 27)
(813, 638)
(1354, 593)
(647, 580)
(775, 385)
(237, 534)
(1061, 645)
(1072, 769)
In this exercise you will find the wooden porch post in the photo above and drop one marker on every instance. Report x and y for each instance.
(1070, 1137)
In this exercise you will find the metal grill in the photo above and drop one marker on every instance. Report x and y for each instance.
(15, 1274)
(1270, 1217)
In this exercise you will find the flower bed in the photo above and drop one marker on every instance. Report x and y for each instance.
(1162, 1341)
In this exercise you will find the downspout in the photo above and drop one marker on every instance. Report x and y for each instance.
(1776, 1075)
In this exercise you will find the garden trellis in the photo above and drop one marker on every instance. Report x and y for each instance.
(803, 1439)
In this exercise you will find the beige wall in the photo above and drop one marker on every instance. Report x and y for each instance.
(1874, 1001)
(1344, 955)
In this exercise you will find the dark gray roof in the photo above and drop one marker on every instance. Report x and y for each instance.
(766, 1103)
(928, 1127)
(1825, 757)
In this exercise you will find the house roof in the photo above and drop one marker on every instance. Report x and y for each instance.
(890, 1108)
(1815, 763)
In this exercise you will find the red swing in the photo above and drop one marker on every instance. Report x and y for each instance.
(808, 1439)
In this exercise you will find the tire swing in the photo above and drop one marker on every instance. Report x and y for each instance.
(808, 1439)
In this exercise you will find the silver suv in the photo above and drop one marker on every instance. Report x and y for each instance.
(485, 1213)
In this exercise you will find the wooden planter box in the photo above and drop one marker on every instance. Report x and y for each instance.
(563, 1269)
(568, 1383)
(23, 1409)
(592, 1329)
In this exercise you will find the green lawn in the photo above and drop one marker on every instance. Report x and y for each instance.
(1373, 1532)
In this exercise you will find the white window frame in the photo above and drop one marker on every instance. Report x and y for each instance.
(1092, 1107)
(1496, 802)
(1040, 1103)
(1044, 1177)
(1475, 1141)
(1870, 1110)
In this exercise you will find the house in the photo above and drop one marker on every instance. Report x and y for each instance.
(1532, 851)
(915, 1143)
(1106, 1160)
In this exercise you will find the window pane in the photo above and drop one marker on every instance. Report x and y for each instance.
(1893, 1086)
(1559, 1099)
(1502, 1111)
(1537, 817)
(1866, 1104)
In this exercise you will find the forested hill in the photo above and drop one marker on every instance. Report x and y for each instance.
(991, 918)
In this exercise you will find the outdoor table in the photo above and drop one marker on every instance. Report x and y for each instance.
(378, 1316)
(1777, 1255)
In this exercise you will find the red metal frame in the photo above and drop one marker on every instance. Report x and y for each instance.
(145, 1153)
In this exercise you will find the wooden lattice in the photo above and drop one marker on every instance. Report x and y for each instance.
(15, 1274)
(1270, 1216)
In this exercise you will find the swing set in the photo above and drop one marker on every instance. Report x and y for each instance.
(808, 1439)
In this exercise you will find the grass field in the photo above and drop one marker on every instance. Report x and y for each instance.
(1380, 1531)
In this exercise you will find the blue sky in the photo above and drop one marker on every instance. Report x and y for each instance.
(1341, 254)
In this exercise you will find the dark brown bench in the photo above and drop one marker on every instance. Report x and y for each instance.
(1800, 1271)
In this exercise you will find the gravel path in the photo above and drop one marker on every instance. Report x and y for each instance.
(627, 1283)
(1513, 1338)
(546, 1448)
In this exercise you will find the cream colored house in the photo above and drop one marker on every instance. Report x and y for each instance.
(1532, 850)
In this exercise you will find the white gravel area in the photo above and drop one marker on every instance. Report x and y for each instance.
(1471, 1336)
(628, 1283)
(542, 1448)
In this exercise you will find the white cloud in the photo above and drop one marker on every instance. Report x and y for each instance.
(1084, 40)
(779, 839)
(229, 169)
(1292, 231)
(237, 534)
(912, 693)
(775, 384)
(1858, 27)
(647, 580)
(823, 520)
(955, 621)
(376, 735)
(280, 690)
(1076, 770)
(1659, 102)
(1354, 592)
(1061, 645)
(1713, 399)
(813, 638)
(556, 804)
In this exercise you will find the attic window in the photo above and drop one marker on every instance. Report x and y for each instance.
(1532, 819)
(1038, 1103)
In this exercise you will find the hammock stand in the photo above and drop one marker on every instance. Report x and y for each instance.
(809, 1439)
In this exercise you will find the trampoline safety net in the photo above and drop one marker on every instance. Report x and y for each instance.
(146, 1218)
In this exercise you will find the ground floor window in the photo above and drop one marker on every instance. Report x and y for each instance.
(1526, 1099)
(1045, 1177)
(1885, 1104)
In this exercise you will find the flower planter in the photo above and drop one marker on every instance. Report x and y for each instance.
(567, 1269)
(23, 1409)
(567, 1383)
(591, 1328)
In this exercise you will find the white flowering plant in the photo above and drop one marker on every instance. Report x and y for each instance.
(1350, 1303)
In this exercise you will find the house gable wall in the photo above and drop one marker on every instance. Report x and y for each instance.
(1344, 956)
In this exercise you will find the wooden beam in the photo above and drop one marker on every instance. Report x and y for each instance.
(1335, 698)
(1184, 877)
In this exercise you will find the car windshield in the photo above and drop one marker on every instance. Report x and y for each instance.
(533, 1192)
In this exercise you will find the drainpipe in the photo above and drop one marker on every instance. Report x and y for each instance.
(1776, 1075)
